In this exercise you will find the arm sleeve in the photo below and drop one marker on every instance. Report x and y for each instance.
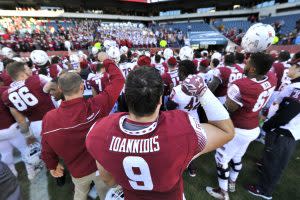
(234, 94)
(48, 155)
(288, 109)
(200, 134)
(106, 99)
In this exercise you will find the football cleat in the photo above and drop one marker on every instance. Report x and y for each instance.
(231, 186)
(217, 193)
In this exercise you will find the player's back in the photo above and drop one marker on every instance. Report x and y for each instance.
(254, 95)
(28, 98)
(147, 163)
(99, 82)
(126, 68)
(226, 75)
(186, 103)
(281, 70)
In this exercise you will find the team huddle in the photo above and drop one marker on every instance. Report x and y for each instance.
(132, 122)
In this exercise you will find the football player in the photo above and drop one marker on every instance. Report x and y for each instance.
(170, 78)
(11, 137)
(281, 68)
(26, 97)
(153, 147)
(182, 101)
(223, 76)
(245, 99)
(100, 80)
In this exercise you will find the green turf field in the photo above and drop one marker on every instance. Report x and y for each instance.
(288, 189)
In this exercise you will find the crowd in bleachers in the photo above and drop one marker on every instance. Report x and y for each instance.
(287, 28)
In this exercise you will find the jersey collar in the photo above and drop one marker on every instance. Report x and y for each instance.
(144, 131)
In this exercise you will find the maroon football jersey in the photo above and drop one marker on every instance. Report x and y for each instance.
(281, 70)
(226, 75)
(252, 96)
(5, 78)
(170, 78)
(6, 118)
(147, 163)
(99, 82)
(28, 98)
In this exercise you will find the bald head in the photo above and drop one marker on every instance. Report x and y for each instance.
(69, 83)
(102, 56)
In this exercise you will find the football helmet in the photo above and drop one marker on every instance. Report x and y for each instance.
(39, 57)
(67, 45)
(258, 38)
(168, 53)
(123, 50)
(32, 154)
(7, 52)
(95, 50)
(82, 55)
(114, 54)
(115, 194)
(217, 56)
(186, 53)
(194, 85)
(75, 61)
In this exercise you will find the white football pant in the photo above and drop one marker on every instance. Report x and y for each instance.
(10, 138)
(234, 150)
(36, 129)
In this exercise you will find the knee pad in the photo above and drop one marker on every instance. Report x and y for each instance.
(235, 166)
(223, 171)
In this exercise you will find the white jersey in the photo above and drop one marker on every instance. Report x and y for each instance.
(126, 68)
(87, 86)
(186, 103)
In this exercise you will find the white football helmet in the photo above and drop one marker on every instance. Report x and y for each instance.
(7, 52)
(114, 54)
(204, 52)
(32, 154)
(68, 45)
(258, 38)
(95, 50)
(168, 53)
(217, 56)
(115, 194)
(186, 53)
(74, 60)
(106, 44)
(39, 57)
(123, 50)
(82, 55)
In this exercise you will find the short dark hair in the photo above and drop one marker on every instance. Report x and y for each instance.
(239, 57)
(69, 83)
(296, 55)
(143, 89)
(284, 56)
(262, 62)
(197, 54)
(14, 69)
(185, 68)
(55, 60)
(157, 58)
(6, 61)
(229, 59)
(123, 58)
(215, 62)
